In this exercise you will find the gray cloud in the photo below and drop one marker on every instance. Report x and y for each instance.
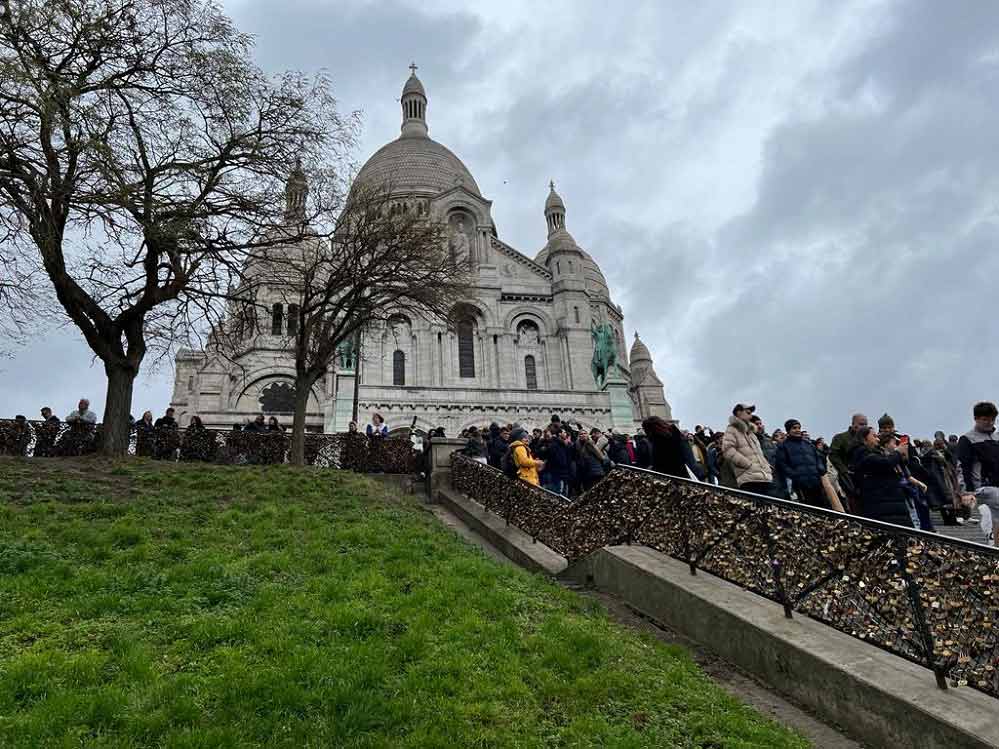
(794, 206)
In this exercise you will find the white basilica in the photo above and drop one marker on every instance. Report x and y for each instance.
(519, 350)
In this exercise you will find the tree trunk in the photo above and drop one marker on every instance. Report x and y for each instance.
(117, 406)
(302, 389)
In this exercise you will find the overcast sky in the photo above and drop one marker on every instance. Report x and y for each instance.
(794, 203)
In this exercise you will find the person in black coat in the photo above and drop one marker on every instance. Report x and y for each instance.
(499, 441)
(643, 451)
(878, 476)
(798, 461)
(166, 421)
(670, 450)
(558, 463)
(591, 463)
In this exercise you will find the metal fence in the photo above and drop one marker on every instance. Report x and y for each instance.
(354, 451)
(930, 599)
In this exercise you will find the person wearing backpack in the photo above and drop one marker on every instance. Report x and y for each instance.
(520, 459)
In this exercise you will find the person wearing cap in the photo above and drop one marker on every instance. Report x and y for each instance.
(527, 465)
(741, 449)
(799, 462)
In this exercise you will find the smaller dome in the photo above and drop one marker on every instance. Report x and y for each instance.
(414, 86)
(639, 351)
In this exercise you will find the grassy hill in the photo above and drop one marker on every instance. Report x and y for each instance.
(146, 604)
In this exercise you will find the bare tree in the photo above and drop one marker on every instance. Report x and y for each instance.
(19, 302)
(376, 259)
(142, 154)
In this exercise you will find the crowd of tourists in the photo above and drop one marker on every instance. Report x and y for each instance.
(879, 473)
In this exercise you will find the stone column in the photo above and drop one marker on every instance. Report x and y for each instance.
(440, 464)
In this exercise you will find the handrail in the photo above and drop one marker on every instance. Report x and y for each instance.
(927, 598)
(820, 511)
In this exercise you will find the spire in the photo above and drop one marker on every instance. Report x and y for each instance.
(295, 191)
(554, 210)
(414, 107)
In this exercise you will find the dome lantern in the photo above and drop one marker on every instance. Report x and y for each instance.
(414, 107)
(554, 210)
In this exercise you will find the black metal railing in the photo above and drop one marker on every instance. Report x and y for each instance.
(353, 451)
(931, 599)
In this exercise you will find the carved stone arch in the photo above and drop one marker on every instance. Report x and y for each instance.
(544, 321)
(468, 309)
(483, 420)
(464, 201)
(253, 382)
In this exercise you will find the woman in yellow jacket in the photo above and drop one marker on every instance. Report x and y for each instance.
(527, 465)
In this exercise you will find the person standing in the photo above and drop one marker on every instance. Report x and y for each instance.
(558, 464)
(499, 441)
(671, 453)
(978, 452)
(841, 451)
(769, 448)
(878, 479)
(800, 463)
(941, 465)
(257, 426)
(145, 435)
(643, 451)
(527, 465)
(590, 460)
(166, 421)
(475, 448)
(377, 427)
(82, 415)
(741, 449)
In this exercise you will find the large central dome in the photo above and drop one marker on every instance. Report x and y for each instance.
(415, 163)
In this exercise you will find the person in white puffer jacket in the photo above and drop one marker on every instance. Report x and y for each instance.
(742, 450)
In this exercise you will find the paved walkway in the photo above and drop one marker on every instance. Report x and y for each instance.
(967, 532)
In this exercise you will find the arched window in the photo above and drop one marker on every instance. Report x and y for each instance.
(399, 368)
(466, 349)
(530, 373)
(575, 311)
(277, 319)
(292, 319)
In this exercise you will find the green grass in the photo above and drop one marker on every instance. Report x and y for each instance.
(144, 604)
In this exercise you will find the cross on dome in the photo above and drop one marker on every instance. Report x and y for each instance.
(413, 67)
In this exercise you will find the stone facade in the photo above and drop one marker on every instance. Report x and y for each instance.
(519, 351)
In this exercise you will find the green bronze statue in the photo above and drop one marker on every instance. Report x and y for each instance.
(604, 352)
(345, 353)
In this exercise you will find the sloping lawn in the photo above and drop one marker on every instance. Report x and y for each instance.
(145, 604)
